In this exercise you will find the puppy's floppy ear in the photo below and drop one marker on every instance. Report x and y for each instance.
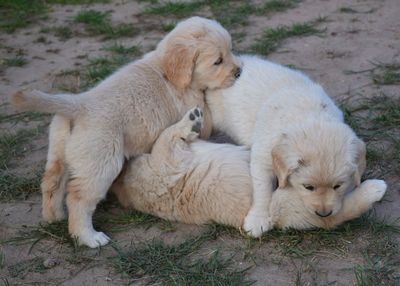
(284, 162)
(360, 161)
(178, 64)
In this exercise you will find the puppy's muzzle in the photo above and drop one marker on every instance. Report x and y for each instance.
(237, 72)
(323, 214)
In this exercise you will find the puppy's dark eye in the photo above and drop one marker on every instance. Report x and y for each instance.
(309, 187)
(219, 61)
(336, 187)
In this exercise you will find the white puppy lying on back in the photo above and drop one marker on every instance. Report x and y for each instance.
(296, 134)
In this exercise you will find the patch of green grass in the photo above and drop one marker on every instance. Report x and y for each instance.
(16, 14)
(277, 6)
(21, 117)
(76, 2)
(20, 269)
(120, 221)
(57, 231)
(17, 61)
(2, 259)
(41, 39)
(381, 260)
(347, 10)
(177, 9)
(386, 74)
(168, 26)
(96, 70)
(163, 264)
(99, 68)
(299, 244)
(124, 51)
(273, 38)
(237, 16)
(11, 145)
(99, 23)
(13, 187)
(377, 121)
(62, 32)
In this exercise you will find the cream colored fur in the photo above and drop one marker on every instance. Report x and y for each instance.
(123, 116)
(193, 181)
(296, 134)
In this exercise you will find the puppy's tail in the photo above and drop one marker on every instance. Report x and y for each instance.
(67, 105)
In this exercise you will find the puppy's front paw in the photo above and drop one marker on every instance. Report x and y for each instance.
(191, 124)
(255, 224)
(374, 189)
(93, 239)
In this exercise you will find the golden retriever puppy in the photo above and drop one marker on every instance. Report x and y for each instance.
(123, 115)
(193, 181)
(296, 134)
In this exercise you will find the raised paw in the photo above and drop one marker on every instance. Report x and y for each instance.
(255, 224)
(196, 116)
(374, 189)
(191, 124)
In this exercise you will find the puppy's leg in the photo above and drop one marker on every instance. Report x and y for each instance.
(94, 161)
(55, 176)
(207, 123)
(360, 200)
(258, 219)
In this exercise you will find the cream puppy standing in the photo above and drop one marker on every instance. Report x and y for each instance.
(296, 134)
(123, 116)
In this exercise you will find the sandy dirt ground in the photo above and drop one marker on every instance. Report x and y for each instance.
(355, 37)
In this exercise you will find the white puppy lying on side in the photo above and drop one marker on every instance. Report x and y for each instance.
(296, 134)
(194, 181)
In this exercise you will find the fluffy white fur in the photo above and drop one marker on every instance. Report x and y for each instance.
(194, 181)
(296, 134)
(123, 116)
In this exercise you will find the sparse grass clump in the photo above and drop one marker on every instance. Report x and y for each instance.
(177, 9)
(381, 260)
(99, 23)
(76, 2)
(163, 264)
(347, 10)
(273, 38)
(17, 61)
(299, 244)
(13, 187)
(11, 145)
(62, 32)
(57, 231)
(22, 268)
(386, 74)
(124, 51)
(99, 68)
(277, 6)
(377, 121)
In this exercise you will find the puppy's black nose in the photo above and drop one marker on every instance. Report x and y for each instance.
(324, 214)
(238, 72)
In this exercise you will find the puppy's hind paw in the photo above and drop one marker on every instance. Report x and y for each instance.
(191, 124)
(374, 189)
